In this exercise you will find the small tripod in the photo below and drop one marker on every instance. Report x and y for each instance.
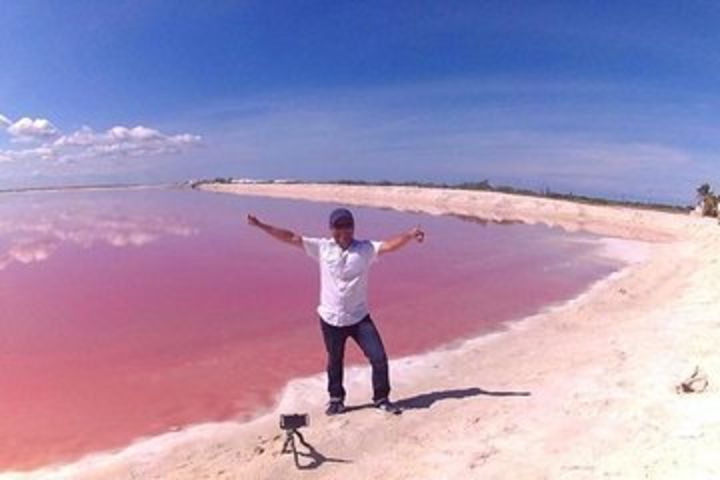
(315, 458)
(289, 445)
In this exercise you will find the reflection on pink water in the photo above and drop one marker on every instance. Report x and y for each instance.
(125, 314)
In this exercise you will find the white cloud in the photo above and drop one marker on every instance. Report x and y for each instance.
(120, 141)
(4, 121)
(86, 144)
(36, 153)
(27, 129)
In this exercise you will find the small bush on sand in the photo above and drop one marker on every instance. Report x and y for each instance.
(707, 200)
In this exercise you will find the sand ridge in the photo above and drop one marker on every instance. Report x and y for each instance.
(585, 390)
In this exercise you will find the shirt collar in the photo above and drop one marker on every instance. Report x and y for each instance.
(352, 244)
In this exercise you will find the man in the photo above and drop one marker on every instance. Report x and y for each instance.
(343, 310)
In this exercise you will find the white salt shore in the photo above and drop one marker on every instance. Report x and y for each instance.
(584, 390)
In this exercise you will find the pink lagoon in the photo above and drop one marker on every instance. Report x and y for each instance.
(128, 313)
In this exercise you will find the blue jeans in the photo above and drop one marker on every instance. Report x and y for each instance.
(368, 339)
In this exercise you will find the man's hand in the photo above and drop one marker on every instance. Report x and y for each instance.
(401, 240)
(418, 233)
(278, 233)
(253, 221)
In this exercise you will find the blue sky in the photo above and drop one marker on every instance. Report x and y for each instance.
(604, 98)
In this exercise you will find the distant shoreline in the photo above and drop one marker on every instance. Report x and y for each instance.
(91, 187)
(483, 186)
(625, 221)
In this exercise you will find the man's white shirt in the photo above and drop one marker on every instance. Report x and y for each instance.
(343, 278)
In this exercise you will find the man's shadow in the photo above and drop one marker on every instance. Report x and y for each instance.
(316, 458)
(425, 400)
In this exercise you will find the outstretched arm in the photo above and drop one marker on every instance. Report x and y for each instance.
(279, 233)
(401, 240)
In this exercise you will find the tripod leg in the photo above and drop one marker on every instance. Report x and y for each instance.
(302, 439)
(288, 441)
(294, 449)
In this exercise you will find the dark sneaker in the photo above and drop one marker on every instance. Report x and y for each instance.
(335, 408)
(387, 407)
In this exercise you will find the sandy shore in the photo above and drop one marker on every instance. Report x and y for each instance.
(585, 390)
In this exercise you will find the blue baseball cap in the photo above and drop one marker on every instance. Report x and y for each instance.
(341, 216)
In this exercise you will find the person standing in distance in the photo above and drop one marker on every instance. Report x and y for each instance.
(343, 309)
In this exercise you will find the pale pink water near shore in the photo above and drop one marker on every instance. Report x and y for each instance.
(125, 314)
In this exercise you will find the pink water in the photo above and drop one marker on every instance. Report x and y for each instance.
(126, 314)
